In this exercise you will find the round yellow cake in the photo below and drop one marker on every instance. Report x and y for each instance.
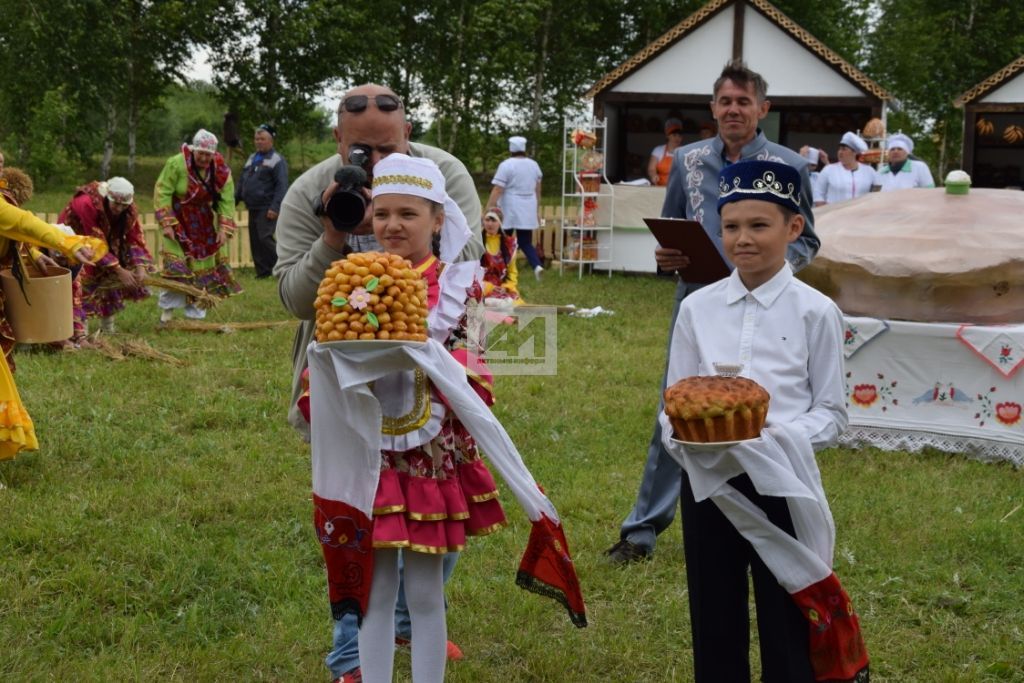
(709, 409)
(371, 295)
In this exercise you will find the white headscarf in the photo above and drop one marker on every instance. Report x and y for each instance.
(402, 174)
(204, 141)
(517, 143)
(118, 189)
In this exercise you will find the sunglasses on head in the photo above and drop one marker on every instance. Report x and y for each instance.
(355, 103)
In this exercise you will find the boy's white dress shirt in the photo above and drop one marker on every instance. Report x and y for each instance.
(788, 337)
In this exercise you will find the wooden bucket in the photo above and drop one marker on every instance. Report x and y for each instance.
(46, 315)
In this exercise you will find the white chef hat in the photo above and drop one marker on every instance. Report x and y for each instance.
(204, 141)
(118, 189)
(402, 174)
(902, 141)
(854, 142)
(517, 143)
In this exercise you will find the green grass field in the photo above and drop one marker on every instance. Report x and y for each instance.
(163, 531)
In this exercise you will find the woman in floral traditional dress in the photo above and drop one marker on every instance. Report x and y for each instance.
(194, 201)
(501, 276)
(106, 210)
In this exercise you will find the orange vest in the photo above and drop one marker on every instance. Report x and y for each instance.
(664, 166)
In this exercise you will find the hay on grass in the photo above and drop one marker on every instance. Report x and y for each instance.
(203, 299)
(122, 349)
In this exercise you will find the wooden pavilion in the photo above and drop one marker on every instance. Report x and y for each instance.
(816, 95)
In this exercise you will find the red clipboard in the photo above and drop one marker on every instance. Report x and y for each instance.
(706, 264)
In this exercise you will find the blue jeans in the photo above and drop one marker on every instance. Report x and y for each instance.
(344, 654)
(656, 502)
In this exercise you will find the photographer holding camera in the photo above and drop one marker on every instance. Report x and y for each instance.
(320, 222)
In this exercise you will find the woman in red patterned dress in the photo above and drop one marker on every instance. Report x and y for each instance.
(194, 201)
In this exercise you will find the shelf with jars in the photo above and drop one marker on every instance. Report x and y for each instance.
(583, 242)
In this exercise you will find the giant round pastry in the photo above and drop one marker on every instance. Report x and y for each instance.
(710, 409)
(923, 255)
(371, 295)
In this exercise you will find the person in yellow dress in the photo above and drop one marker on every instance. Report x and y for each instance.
(16, 225)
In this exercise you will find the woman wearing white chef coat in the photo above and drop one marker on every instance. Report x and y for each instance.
(847, 178)
(902, 172)
(516, 192)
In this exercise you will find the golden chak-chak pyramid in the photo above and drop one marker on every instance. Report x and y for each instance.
(371, 296)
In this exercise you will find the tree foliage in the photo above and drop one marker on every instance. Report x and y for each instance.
(472, 72)
(926, 52)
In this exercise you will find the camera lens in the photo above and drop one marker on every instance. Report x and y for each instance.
(347, 206)
(346, 210)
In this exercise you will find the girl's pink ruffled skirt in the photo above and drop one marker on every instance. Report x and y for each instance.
(430, 515)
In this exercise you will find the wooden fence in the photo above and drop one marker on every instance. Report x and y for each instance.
(240, 255)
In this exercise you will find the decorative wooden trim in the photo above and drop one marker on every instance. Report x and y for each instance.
(997, 107)
(990, 83)
(852, 73)
(772, 13)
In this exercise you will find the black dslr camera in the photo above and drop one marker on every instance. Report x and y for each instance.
(346, 207)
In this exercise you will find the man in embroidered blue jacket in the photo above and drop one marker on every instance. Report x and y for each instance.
(739, 103)
(262, 185)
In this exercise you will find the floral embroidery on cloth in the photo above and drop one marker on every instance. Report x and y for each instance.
(859, 331)
(1007, 413)
(1001, 346)
(866, 394)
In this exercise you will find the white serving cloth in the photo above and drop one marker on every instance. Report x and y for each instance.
(345, 420)
(781, 463)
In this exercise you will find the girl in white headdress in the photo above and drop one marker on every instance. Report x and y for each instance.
(501, 276)
(429, 496)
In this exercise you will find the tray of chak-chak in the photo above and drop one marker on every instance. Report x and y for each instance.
(371, 301)
(715, 412)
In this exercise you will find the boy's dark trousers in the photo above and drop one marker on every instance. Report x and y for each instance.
(717, 559)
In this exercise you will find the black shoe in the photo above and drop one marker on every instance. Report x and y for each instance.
(625, 552)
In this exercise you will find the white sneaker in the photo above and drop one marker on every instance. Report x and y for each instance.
(166, 315)
(194, 312)
(537, 271)
(107, 325)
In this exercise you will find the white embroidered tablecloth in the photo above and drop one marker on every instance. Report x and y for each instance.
(923, 384)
